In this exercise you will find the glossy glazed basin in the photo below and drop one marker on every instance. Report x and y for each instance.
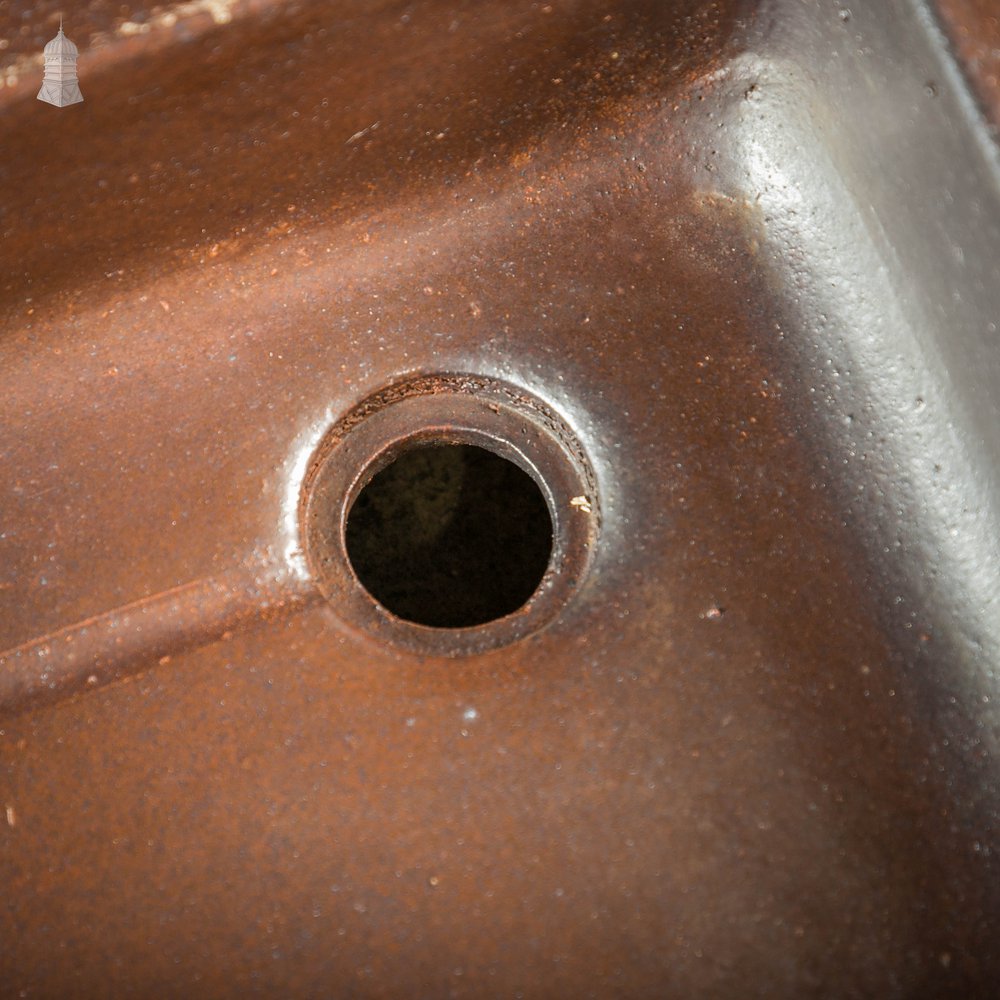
(723, 278)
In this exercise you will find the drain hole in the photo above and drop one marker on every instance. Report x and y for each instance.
(450, 536)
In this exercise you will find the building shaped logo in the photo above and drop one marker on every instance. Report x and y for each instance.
(60, 85)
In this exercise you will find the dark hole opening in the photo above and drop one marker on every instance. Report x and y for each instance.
(450, 536)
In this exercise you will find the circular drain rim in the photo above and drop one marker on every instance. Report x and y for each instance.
(450, 409)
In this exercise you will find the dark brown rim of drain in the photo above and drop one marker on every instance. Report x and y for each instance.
(497, 432)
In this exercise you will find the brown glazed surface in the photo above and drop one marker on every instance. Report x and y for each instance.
(709, 776)
(974, 29)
